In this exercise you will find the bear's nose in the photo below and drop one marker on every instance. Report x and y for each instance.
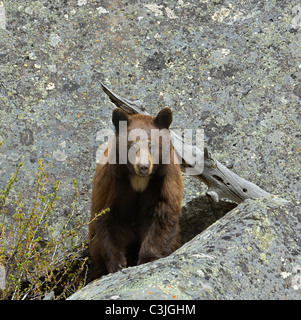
(143, 169)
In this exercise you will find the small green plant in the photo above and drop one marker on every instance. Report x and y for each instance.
(36, 257)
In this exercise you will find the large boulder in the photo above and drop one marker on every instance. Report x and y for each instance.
(253, 252)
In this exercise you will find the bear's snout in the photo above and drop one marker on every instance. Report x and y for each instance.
(142, 161)
(143, 169)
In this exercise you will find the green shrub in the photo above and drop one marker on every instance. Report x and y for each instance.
(34, 266)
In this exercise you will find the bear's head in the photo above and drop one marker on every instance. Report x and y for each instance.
(142, 144)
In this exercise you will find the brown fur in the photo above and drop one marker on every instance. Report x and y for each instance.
(143, 222)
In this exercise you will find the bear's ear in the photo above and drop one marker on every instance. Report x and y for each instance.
(164, 118)
(119, 115)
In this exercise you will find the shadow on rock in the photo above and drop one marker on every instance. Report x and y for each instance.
(199, 213)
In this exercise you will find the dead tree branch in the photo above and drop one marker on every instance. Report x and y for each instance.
(221, 182)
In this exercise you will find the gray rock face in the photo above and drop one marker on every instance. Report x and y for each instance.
(231, 67)
(253, 252)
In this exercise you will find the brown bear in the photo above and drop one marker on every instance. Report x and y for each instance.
(143, 192)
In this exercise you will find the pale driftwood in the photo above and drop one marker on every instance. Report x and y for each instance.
(221, 182)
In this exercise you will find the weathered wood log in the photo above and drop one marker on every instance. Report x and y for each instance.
(221, 182)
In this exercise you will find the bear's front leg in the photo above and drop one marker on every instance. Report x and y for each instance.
(104, 250)
(116, 262)
(162, 236)
(114, 255)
